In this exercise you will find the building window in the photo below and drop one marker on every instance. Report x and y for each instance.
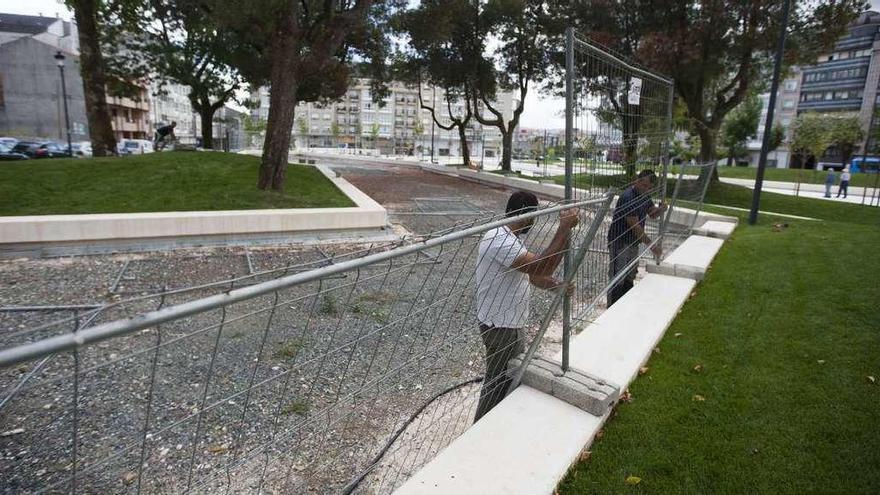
(788, 104)
(790, 85)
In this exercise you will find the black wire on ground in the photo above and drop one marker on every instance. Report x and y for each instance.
(353, 484)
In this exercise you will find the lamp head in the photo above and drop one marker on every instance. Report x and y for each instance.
(60, 58)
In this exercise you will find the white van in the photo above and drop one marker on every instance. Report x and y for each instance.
(135, 146)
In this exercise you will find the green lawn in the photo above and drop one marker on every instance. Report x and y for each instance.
(168, 181)
(779, 340)
(788, 175)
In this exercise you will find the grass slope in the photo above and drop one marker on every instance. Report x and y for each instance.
(785, 330)
(169, 181)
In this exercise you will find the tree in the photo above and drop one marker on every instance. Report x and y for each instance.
(445, 47)
(335, 132)
(810, 135)
(740, 125)
(718, 51)
(418, 131)
(529, 36)
(777, 137)
(845, 134)
(303, 126)
(173, 40)
(87, 14)
(304, 51)
(374, 134)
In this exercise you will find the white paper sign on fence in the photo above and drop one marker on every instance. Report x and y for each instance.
(635, 91)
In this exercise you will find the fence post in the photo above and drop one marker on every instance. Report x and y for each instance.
(569, 140)
(709, 175)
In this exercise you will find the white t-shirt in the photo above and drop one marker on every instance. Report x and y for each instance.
(502, 292)
(845, 175)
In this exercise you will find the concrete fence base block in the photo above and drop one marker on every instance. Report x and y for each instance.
(575, 387)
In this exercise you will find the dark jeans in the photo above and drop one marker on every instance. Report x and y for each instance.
(622, 254)
(844, 185)
(502, 345)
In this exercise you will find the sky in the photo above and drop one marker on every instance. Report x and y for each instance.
(540, 112)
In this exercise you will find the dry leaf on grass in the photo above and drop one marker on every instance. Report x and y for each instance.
(871, 379)
(820, 361)
(698, 368)
(626, 396)
(643, 370)
(698, 398)
(633, 480)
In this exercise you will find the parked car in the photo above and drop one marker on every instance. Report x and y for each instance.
(134, 146)
(45, 149)
(6, 153)
(9, 141)
(81, 149)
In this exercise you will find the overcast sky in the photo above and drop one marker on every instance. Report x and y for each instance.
(539, 112)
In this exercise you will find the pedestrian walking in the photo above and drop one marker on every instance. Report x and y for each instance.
(830, 179)
(844, 182)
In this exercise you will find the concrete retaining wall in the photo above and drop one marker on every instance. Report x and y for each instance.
(57, 234)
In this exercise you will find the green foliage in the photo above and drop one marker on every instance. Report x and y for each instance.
(813, 133)
(809, 134)
(846, 133)
(167, 181)
(303, 126)
(740, 125)
(716, 52)
(251, 124)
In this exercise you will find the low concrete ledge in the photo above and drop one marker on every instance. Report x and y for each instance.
(525, 445)
(691, 259)
(41, 233)
(622, 338)
(715, 228)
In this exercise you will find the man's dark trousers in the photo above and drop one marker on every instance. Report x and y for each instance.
(502, 345)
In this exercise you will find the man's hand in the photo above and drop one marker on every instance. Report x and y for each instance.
(568, 219)
(657, 250)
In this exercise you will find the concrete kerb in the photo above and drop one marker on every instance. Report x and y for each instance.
(691, 259)
(41, 235)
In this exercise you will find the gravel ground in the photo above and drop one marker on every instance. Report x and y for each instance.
(292, 400)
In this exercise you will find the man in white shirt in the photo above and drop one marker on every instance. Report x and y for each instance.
(844, 182)
(505, 271)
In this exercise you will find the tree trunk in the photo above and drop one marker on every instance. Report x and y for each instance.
(506, 150)
(465, 150)
(207, 117)
(707, 148)
(94, 83)
(282, 106)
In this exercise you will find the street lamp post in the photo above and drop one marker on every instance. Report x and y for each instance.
(60, 58)
(433, 104)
